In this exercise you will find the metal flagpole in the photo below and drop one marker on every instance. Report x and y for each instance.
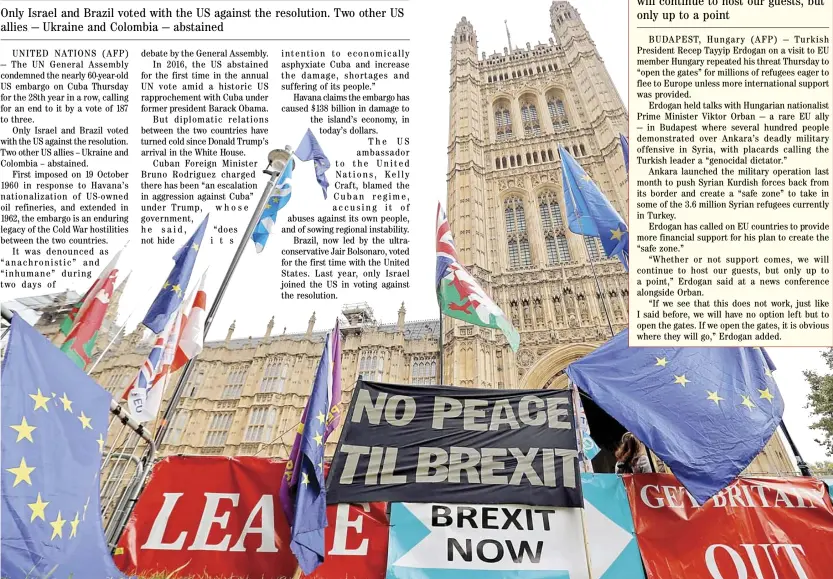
(277, 163)
(595, 277)
(802, 466)
(442, 352)
(587, 249)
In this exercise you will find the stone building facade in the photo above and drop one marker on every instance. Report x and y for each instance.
(509, 114)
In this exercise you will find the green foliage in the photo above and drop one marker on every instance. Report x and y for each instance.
(824, 467)
(821, 402)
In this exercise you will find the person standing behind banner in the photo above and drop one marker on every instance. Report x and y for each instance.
(631, 457)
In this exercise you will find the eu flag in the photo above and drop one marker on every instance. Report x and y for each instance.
(589, 212)
(54, 421)
(172, 292)
(275, 203)
(623, 140)
(309, 149)
(305, 487)
(706, 412)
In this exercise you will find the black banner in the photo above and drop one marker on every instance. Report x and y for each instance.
(442, 444)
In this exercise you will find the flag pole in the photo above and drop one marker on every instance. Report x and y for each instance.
(278, 161)
(802, 466)
(587, 249)
(442, 352)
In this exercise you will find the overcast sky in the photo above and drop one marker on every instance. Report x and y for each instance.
(254, 296)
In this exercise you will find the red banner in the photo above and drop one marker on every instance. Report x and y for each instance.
(757, 528)
(220, 517)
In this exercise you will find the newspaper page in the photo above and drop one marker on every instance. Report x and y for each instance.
(211, 207)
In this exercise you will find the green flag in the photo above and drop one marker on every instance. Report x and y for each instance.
(459, 294)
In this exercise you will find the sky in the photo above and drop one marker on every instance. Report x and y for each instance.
(253, 297)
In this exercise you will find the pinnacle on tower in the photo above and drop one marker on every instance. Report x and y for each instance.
(464, 33)
(230, 331)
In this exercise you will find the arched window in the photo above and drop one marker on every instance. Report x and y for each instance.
(581, 148)
(549, 154)
(504, 162)
(552, 224)
(503, 121)
(558, 114)
(528, 159)
(512, 161)
(535, 157)
(529, 116)
(518, 243)
(593, 250)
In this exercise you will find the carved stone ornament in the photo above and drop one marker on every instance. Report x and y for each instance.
(525, 358)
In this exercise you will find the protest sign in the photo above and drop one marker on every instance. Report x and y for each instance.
(441, 443)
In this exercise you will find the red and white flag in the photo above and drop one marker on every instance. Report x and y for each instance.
(192, 327)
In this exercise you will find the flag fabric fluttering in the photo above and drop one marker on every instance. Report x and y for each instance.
(302, 493)
(173, 290)
(460, 295)
(706, 412)
(588, 448)
(87, 300)
(54, 422)
(623, 140)
(192, 327)
(276, 202)
(589, 212)
(144, 395)
(81, 339)
(310, 150)
(334, 382)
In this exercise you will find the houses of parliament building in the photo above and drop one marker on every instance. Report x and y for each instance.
(509, 113)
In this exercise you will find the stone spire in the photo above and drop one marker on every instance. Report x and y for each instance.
(269, 327)
(230, 332)
(310, 326)
(400, 323)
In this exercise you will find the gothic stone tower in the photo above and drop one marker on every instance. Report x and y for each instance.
(509, 113)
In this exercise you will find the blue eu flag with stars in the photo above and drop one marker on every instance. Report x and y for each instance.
(307, 533)
(54, 421)
(706, 412)
(589, 212)
(170, 296)
(310, 150)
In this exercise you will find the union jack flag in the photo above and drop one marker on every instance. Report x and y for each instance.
(446, 252)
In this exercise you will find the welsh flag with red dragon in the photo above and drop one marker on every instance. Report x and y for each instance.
(81, 339)
(459, 294)
(80, 308)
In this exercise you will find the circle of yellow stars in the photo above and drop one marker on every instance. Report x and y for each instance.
(23, 472)
(746, 400)
(319, 440)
